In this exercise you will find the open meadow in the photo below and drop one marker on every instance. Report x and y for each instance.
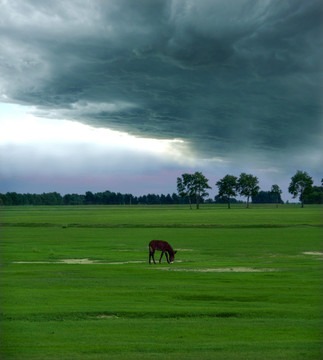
(245, 284)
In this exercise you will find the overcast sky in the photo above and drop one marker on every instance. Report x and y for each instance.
(126, 95)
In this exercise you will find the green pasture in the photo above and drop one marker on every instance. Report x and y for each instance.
(76, 283)
(164, 215)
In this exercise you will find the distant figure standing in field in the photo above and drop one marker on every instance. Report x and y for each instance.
(164, 247)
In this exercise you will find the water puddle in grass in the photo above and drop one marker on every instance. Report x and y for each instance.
(228, 269)
(318, 254)
(76, 261)
(79, 262)
(103, 316)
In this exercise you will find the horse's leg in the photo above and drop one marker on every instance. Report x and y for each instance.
(161, 256)
(150, 254)
(153, 256)
(166, 257)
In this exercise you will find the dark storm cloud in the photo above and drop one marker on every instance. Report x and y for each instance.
(227, 76)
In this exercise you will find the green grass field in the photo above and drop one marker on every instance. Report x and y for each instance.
(76, 283)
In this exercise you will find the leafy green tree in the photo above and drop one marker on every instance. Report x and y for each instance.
(301, 184)
(73, 199)
(247, 185)
(169, 199)
(193, 185)
(276, 191)
(227, 187)
(89, 198)
(315, 196)
(266, 197)
(52, 198)
(176, 199)
(199, 187)
(184, 187)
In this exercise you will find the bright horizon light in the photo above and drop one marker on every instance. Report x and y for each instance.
(19, 126)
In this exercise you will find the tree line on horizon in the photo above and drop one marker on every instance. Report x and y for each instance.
(196, 186)
(191, 188)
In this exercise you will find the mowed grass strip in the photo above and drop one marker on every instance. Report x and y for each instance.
(118, 309)
(168, 216)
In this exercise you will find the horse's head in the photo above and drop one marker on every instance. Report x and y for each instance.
(172, 257)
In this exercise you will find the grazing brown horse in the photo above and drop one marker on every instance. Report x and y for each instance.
(162, 246)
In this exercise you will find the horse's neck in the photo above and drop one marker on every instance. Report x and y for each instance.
(169, 249)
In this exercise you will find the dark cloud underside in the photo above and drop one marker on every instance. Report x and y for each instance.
(226, 76)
